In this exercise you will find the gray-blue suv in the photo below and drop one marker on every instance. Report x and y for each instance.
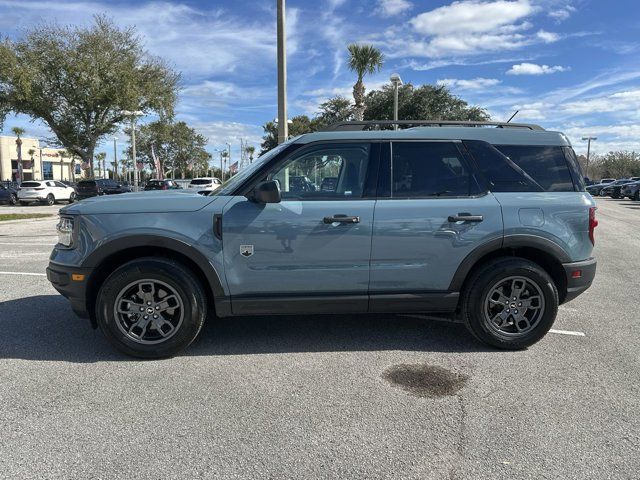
(484, 223)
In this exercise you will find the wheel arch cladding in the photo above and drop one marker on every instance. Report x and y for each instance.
(116, 253)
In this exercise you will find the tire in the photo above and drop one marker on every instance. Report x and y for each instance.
(13, 199)
(636, 196)
(50, 200)
(502, 271)
(186, 320)
(72, 197)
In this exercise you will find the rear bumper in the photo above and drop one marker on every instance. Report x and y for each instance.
(578, 284)
(75, 291)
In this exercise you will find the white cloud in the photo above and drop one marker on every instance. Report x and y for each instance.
(391, 8)
(535, 69)
(562, 14)
(472, 84)
(616, 102)
(547, 37)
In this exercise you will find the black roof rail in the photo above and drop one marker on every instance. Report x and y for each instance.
(376, 124)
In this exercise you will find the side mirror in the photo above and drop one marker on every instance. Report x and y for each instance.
(266, 192)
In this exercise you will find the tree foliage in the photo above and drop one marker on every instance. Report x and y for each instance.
(177, 146)
(79, 80)
(427, 102)
(620, 164)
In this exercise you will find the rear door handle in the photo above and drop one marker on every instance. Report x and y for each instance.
(465, 217)
(339, 218)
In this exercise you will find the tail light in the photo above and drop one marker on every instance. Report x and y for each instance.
(593, 223)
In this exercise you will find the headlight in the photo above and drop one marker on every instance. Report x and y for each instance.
(65, 231)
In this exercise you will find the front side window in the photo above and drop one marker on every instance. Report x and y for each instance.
(429, 169)
(326, 172)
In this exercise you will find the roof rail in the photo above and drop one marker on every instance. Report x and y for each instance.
(377, 124)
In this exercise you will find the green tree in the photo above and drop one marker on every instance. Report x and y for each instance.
(427, 102)
(178, 147)
(334, 110)
(250, 150)
(79, 80)
(618, 164)
(299, 125)
(363, 60)
(100, 158)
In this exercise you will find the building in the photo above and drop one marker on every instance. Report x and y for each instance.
(38, 163)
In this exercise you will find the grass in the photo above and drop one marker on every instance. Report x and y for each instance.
(22, 216)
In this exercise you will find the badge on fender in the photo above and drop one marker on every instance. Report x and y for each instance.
(246, 250)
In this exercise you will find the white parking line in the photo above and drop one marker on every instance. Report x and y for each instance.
(568, 332)
(26, 244)
(24, 273)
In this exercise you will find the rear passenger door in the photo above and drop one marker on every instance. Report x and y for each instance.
(430, 214)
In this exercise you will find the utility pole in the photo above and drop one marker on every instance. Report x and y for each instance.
(115, 159)
(283, 126)
(588, 140)
(396, 81)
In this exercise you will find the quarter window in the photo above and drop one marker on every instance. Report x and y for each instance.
(329, 172)
(429, 169)
(545, 164)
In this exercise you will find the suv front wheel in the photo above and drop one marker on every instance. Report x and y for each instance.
(510, 303)
(151, 308)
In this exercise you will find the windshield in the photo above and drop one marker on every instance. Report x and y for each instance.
(231, 184)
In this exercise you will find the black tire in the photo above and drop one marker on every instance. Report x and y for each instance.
(481, 284)
(50, 200)
(185, 285)
(13, 199)
(72, 197)
(636, 196)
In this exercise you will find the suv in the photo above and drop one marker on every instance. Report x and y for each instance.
(204, 185)
(162, 185)
(483, 223)
(47, 191)
(101, 186)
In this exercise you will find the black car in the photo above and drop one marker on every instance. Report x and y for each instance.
(8, 195)
(162, 185)
(93, 188)
(614, 189)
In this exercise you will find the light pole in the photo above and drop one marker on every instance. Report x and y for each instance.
(588, 140)
(115, 158)
(283, 130)
(134, 116)
(228, 159)
(396, 81)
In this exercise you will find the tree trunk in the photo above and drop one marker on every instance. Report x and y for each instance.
(358, 98)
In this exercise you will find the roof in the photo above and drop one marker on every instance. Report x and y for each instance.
(495, 136)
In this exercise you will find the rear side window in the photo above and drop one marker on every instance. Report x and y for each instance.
(429, 169)
(200, 181)
(546, 165)
(30, 184)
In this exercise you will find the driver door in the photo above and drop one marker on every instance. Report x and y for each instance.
(310, 252)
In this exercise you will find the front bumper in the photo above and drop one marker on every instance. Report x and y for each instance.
(578, 284)
(62, 279)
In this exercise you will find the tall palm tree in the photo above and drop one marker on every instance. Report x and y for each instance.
(364, 59)
(31, 153)
(100, 158)
(250, 149)
(18, 132)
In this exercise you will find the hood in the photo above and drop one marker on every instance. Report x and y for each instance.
(154, 201)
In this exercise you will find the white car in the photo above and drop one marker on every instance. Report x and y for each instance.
(47, 191)
(205, 184)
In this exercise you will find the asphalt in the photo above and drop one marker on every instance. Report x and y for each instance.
(322, 396)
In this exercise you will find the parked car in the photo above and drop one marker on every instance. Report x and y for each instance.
(204, 185)
(596, 189)
(162, 185)
(46, 191)
(631, 190)
(614, 189)
(607, 180)
(101, 186)
(8, 195)
(489, 226)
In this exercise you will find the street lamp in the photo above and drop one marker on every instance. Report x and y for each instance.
(283, 127)
(588, 139)
(115, 158)
(396, 81)
(134, 116)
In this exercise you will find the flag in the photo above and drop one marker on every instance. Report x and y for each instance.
(156, 163)
(233, 168)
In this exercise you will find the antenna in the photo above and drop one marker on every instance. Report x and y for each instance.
(512, 116)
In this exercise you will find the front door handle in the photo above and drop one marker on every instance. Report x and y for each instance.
(465, 217)
(339, 218)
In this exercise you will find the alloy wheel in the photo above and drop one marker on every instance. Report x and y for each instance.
(513, 306)
(148, 311)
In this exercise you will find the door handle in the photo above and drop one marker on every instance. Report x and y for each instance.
(465, 217)
(339, 218)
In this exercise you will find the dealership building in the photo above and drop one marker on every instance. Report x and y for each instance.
(38, 163)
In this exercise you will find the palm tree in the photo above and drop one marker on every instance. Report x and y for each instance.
(364, 59)
(250, 149)
(31, 153)
(100, 157)
(18, 132)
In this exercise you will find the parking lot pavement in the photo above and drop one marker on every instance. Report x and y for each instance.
(33, 208)
(306, 397)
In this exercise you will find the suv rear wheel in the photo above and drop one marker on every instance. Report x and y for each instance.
(50, 200)
(510, 303)
(151, 308)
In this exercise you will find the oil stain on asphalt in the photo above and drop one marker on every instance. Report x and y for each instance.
(425, 381)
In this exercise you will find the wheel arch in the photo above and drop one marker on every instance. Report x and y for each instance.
(545, 253)
(106, 259)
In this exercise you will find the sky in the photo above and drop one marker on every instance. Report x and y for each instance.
(568, 65)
